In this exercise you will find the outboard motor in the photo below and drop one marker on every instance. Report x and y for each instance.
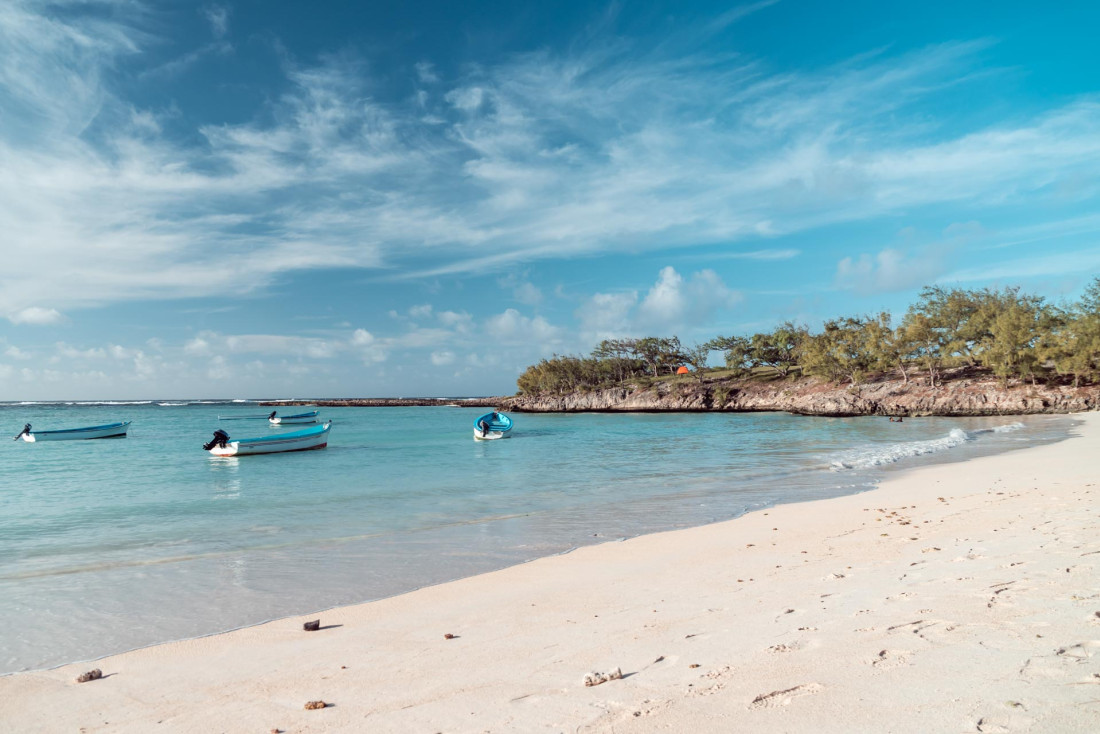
(26, 429)
(220, 437)
(272, 416)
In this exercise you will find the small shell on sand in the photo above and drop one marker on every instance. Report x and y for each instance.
(448, 636)
(594, 678)
(312, 626)
(90, 675)
(315, 705)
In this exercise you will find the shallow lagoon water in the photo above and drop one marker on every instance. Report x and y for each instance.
(114, 544)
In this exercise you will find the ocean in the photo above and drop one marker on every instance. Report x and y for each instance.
(114, 544)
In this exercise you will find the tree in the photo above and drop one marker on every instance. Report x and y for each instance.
(841, 351)
(1071, 339)
(737, 351)
(779, 349)
(951, 315)
(885, 345)
(697, 357)
(923, 342)
(1014, 323)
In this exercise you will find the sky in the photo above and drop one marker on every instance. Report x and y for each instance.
(259, 198)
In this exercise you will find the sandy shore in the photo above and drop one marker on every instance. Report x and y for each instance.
(955, 598)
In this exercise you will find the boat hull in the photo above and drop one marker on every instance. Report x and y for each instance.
(309, 439)
(111, 430)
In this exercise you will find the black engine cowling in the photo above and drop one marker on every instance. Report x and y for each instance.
(219, 440)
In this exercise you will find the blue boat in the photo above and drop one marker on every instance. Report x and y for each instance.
(307, 439)
(492, 426)
(110, 430)
(276, 420)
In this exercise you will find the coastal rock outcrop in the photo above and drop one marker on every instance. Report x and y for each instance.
(960, 395)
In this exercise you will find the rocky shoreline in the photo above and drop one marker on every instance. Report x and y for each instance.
(960, 395)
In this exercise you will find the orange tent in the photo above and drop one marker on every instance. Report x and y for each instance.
(683, 370)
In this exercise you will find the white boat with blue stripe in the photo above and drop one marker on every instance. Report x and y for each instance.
(108, 430)
(307, 439)
(299, 419)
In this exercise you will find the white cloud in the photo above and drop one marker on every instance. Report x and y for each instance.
(15, 352)
(466, 98)
(67, 352)
(777, 254)
(198, 346)
(460, 321)
(442, 358)
(421, 312)
(890, 270)
(36, 316)
(512, 326)
(218, 17)
(674, 304)
(606, 316)
(425, 72)
(362, 338)
(606, 147)
(528, 294)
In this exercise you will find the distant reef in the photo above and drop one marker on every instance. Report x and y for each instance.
(963, 393)
(489, 402)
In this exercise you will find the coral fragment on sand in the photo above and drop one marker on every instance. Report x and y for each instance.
(595, 678)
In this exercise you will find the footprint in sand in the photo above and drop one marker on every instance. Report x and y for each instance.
(782, 647)
(719, 678)
(775, 699)
(1080, 651)
(887, 659)
(1057, 665)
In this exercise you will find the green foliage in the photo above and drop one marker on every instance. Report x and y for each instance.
(844, 350)
(697, 357)
(1012, 334)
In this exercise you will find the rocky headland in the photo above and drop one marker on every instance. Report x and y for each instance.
(962, 393)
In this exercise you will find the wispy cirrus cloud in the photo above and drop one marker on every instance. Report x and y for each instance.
(608, 147)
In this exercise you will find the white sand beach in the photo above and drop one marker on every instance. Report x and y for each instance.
(960, 597)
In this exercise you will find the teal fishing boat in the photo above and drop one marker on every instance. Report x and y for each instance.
(492, 426)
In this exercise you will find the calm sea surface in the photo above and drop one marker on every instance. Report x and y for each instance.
(114, 544)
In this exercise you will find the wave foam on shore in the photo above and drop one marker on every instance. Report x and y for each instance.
(872, 456)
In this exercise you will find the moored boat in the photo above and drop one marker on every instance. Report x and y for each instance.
(301, 418)
(108, 430)
(492, 426)
(307, 439)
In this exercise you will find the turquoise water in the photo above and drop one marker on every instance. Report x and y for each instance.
(114, 544)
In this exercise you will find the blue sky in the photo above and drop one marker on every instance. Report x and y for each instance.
(255, 198)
